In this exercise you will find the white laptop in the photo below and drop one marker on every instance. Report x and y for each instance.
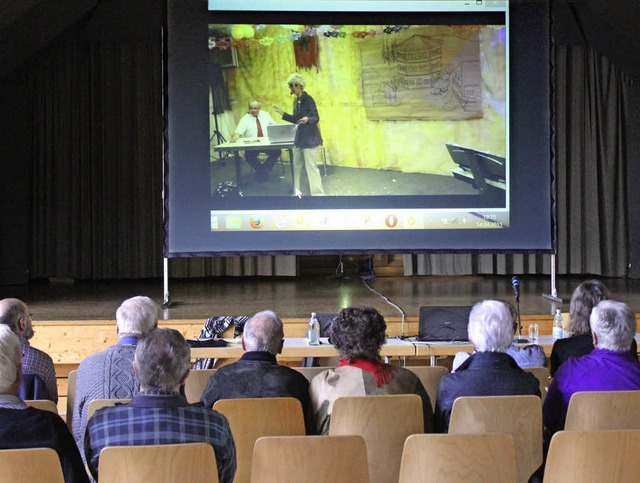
(281, 133)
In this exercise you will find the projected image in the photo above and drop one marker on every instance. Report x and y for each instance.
(359, 110)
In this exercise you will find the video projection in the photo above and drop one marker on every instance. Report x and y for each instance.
(358, 127)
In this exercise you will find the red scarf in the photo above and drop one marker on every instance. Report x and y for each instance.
(381, 372)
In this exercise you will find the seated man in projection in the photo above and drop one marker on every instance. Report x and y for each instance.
(254, 125)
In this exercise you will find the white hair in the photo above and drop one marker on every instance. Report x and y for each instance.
(137, 316)
(614, 325)
(490, 326)
(10, 358)
(296, 79)
(263, 332)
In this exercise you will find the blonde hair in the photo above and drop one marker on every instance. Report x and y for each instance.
(296, 79)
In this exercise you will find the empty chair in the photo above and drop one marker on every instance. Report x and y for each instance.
(96, 404)
(459, 458)
(544, 377)
(384, 422)
(430, 377)
(29, 465)
(71, 397)
(520, 416)
(195, 383)
(310, 372)
(598, 456)
(252, 418)
(167, 463)
(334, 459)
(603, 410)
(44, 404)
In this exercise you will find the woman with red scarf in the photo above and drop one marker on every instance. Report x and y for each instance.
(358, 334)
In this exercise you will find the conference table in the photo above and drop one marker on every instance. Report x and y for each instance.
(252, 144)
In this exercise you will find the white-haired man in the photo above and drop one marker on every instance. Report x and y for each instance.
(158, 414)
(609, 367)
(254, 125)
(109, 374)
(489, 371)
(257, 373)
(26, 427)
(15, 314)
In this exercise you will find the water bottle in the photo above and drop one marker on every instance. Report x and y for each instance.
(313, 330)
(558, 325)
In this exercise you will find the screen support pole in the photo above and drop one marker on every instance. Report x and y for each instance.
(165, 274)
(554, 292)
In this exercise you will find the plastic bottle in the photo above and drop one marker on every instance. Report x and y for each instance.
(313, 330)
(558, 325)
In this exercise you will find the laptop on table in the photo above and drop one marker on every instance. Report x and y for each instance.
(281, 133)
(443, 323)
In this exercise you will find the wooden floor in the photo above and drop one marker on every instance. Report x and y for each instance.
(298, 297)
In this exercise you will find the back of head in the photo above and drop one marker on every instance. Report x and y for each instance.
(10, 312)
(263, 332)
(359, 333)
(137, 316)
(614, 325)
(584, 298)
(162, 359)
(490, 326)
(10, 359)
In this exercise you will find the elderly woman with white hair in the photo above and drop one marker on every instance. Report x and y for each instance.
(22, 426)
(489, 371)
(308, 139)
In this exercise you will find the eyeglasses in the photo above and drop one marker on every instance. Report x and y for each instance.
(295, 84)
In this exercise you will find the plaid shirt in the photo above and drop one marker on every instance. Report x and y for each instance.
(34, 361)
(160, 418)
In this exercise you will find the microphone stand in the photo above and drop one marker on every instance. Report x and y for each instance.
(519, 339)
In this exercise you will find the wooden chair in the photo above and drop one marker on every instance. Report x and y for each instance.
(96, 404)
(166, 463)
(252, 418)
(43, 404)
(335, 459)
(195, 383)
(384, 422)
(520, 416)
(430, 377)
(590, 411)
(311, 372)
(598, 456)
(544, 378)
(28, 465)
(459, 458)
(71, 397)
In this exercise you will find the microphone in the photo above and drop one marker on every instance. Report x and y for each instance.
(516, 287)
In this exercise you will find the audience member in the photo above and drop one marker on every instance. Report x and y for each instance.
(528, 356)
(579, 342)
(489, 371)
(358, 334)
(158, 414)
(109, 374)
(25, 427)
(15, 314)
(257, 373)
(609, 367)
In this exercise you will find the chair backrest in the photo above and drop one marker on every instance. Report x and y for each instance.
(603, 410)
(520, 416)
(167, 463)
(384, 422)
(459, 458)
(335, 459)
(311, 372)
(195, 383)
(33, 464)
(544, 378)
(96, 404)
(430, 377)
(252, 418)
(43, 404)
(71, 397)
(578, 456)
